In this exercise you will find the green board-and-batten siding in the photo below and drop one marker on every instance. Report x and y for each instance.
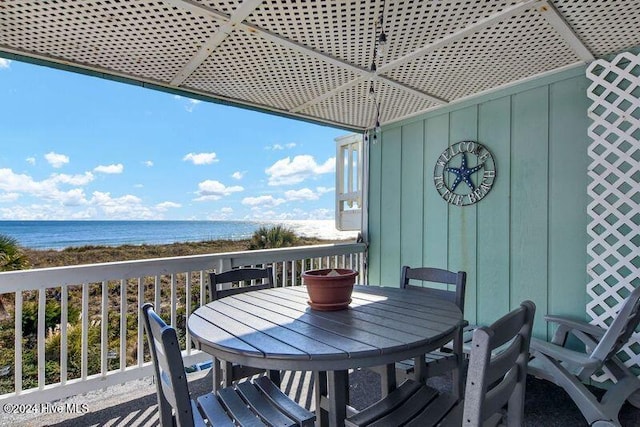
(527, 238)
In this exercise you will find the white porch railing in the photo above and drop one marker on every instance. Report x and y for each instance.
(83, 321)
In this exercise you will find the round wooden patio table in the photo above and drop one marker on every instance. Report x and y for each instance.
(276, 329)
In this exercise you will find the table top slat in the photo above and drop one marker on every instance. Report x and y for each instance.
(351, 347)
(386, 316)
(413, 299)
(255, 338)
(400, 316)
(340, 329)
(220, 336)
(347, 326)
(280, 331)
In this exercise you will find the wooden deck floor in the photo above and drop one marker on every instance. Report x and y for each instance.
(135, 405)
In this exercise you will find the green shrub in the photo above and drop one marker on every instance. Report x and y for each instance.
(277, 236)
(52, 316)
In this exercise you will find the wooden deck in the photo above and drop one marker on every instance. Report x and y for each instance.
(134, 404)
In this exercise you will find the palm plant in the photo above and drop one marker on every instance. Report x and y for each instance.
(277, 236)
(11, 258)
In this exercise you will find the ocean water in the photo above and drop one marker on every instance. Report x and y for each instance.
(63, 234)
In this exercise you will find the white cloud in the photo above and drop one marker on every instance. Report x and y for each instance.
(73, 197)
(262, 201)
(287, 171)
(220, 214)
(164, 206)
(238, 174)
(189, 103)
(4, 63)
(46, 189)
(148, 163)
(62, 178)
(9, 197)
(109, 169)
(55, 203)
(56, 160)
(201, 158)
(278, 147)
(302, 194)
(214, 190)
(31, 212)
(323, 190)
(261, 214)
(31, 160)
(11, 181)
(124, 207)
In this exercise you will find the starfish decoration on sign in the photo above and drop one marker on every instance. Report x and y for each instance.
(463, 173)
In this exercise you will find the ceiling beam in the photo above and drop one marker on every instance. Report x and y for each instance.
(557, 21)
(198, 9)
(245, 9)
(373, 78)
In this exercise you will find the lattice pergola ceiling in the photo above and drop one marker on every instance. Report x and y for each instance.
(312, 59)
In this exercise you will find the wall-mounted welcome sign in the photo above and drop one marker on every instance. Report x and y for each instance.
(464, 173)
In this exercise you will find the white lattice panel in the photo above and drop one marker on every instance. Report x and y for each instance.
(361, 107)
(348, 26)
(606, 27)
(148, 39)
(614, 190)
(248, 67)
(505, 52)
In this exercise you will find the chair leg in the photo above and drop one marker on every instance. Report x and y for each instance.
(274, 376)
(420, 369)
(387, 379)
(320, 388)
(338, 383)
(589, 406)
(457, 376)
(227, 374)
(217, 374)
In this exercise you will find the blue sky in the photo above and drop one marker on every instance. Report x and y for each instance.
(80, 147)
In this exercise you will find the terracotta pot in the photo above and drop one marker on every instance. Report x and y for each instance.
(330, 288)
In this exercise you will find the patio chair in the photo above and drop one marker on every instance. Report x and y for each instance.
(446, 359)
(495, 387)
(257, 402)
(570, 369)
(247, 279)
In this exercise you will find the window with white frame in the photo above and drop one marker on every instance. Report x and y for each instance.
(349, 173)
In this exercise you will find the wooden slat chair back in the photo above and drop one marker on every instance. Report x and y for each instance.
(244, 280)
(495, 388)
(497, 372)
(621, 329)
(449, 286)
(174, 401)
(436, 275)
(249, 403)
(571, 369)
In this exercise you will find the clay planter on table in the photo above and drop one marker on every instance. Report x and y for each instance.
(329, 289)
